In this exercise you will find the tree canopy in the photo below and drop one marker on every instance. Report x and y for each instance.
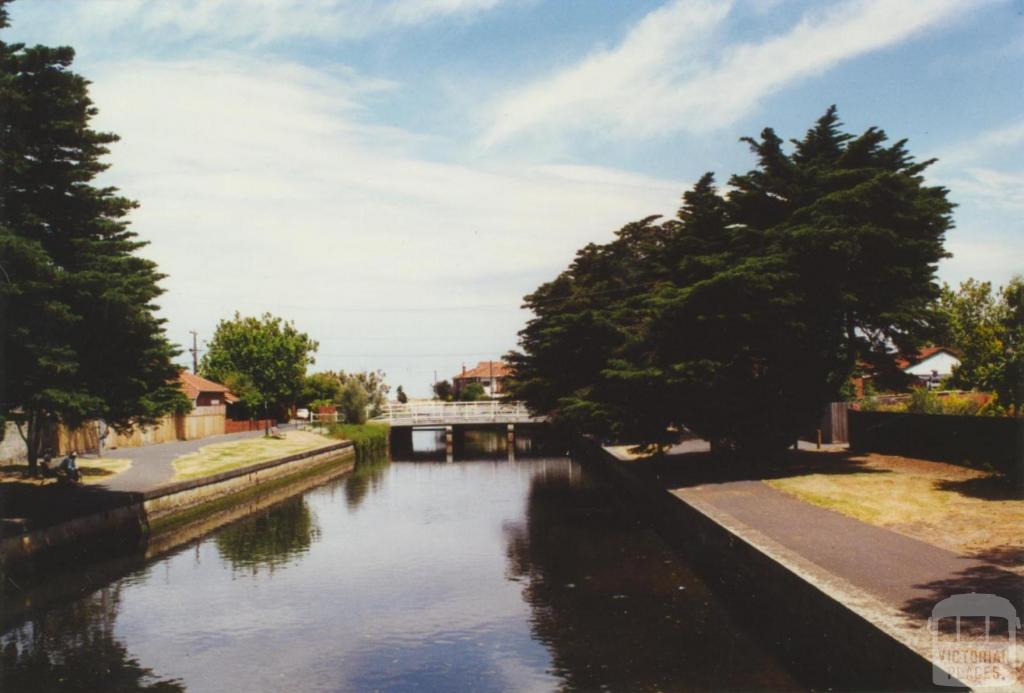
(443, 390)
(263, 360)
(742, 316)
(472, 392)
(80, 337)
(328, 385)
(986, 329)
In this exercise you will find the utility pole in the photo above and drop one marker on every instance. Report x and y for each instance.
(195, 351)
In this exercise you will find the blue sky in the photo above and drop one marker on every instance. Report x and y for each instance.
(395, 175)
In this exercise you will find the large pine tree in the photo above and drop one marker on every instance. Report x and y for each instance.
(740, 318)
(80, 337)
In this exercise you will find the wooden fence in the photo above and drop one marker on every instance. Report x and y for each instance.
(200, 423)
(834, 426)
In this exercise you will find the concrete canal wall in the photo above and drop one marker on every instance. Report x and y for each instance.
(843, 637)
(176, 505)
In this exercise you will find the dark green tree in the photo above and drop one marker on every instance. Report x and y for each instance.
(472, 392)
(740, 318)
(443, 390)
(80, 338)
(319, 387)
(401, 396)
(267, 354)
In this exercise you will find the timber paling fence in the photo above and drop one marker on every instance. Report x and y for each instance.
(977, 441)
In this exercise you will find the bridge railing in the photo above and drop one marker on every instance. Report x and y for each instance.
(415, 413)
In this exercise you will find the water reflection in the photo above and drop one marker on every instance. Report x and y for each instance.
(365, 477)
(478, 575)
(613, 603)
(271, 539)
(489, 443)
(75, 649)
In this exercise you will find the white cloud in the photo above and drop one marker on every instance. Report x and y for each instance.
(993, 188)
(262, 188)
(986, 143)
(225, 20)
(674, 71)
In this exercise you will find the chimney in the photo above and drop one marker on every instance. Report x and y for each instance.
(463, 369)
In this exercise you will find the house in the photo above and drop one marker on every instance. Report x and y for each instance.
(932, 365)
(203, 392)
(892, 373)
(491, 374)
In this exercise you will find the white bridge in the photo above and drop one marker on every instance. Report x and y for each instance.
(456, 413)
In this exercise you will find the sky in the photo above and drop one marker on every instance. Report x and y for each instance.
(395, 175)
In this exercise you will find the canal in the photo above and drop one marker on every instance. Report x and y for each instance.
(494, 572)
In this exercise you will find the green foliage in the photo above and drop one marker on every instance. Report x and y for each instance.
(270, 540)
(443, 391)
(740, 318)
(330, 384)
(320, 388)
(925, 401)
(370, 440)
(986, 328)
(265, 358)
(401, 396)
(472, 392)
(353, 402)
(81, 338)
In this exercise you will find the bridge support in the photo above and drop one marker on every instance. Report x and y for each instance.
(511, 435)
(449, 444)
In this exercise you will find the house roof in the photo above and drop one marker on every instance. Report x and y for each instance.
(192, 385)
(923, 354)
(486, 369)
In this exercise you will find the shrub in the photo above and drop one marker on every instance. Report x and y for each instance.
(369, 440)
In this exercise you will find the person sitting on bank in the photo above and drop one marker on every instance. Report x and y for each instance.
(68, 466)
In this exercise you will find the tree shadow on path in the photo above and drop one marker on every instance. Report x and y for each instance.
(696, 468)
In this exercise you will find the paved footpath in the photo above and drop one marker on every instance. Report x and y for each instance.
(901, 571)
(906, 574)
(152, 464)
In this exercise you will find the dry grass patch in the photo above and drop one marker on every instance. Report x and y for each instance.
(222, 457)
(964, 510)
(94, 470)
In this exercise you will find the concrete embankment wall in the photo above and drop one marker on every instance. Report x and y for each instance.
(813, 627)
(63, 579)
(176, 505)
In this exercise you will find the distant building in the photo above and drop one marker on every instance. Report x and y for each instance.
(491, 374)
(203, 392)
(932, 365)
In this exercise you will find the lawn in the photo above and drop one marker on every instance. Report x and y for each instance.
(960, 509)
(221, 457)
(94, 470)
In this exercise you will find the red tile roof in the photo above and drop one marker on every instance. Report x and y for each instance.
(486, 369)
(192, 385)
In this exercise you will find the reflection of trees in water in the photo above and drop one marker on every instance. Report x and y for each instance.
(606, 599)
(271, 539)
(73, 648)
(366, 475)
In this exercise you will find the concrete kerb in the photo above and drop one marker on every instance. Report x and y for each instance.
(161, 503)
(854, 639)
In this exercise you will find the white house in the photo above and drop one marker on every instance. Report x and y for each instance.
(932, 364)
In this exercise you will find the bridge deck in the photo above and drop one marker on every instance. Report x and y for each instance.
(456, 413)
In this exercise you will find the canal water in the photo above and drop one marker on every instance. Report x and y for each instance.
(495, 572)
